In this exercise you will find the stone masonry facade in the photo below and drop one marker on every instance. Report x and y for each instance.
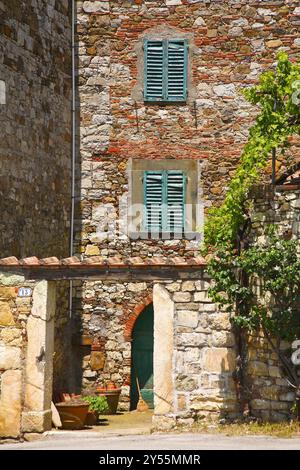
(35, 127)
(230, 44)
(271, 397)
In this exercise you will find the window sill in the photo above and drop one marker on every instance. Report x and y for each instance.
(164, 236)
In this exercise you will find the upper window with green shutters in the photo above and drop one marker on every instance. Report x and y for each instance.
(165, 77)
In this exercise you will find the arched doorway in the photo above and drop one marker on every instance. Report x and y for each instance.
(142, 358)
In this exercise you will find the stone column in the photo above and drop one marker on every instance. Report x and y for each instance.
(39, 360)
(163, 351)
(10, 359)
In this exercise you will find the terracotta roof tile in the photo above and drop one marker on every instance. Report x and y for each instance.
(32, 261)
(71, 260)
(10, 261)
(94, 260)
(157, 260)
(136, 261)
(50, 261)
(115, 261)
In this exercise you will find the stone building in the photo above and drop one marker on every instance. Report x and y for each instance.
(159, 90)
(160, 124)
(35, 94)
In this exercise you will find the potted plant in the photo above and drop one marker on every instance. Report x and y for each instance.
(73, 413)
(112, 395)
(97, 405)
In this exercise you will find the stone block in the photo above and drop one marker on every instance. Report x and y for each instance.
(95, 7)
(188, 286)
(8, 293)
(173, 286)
(187, 318)
(36, 421)
(202, 296)
(97, 360)
(11, 336)
(181, 402)
(220, 321)
(274, 43)
(6, 316)
(10, 357)
(192, 339)
(163, 422)
(7, 279)
(222, 339)
(137, 286)
(258, 368)
(163, 350)
(182, 297)
(173, 2)
(218, 359)
(202, 285)
(10, 403)
(92, 250)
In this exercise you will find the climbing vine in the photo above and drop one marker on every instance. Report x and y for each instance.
(278, 119)
(259, 284)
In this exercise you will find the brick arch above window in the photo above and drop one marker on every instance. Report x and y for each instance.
(129, 326)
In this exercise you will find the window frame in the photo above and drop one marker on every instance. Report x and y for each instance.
(165, 98)
(164, 222)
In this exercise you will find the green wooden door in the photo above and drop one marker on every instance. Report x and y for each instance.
(142, 358)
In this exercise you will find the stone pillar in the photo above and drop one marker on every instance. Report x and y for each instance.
(10, 359)
(39, 360)
(163, 351)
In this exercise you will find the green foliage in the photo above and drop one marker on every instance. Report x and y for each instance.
(271, 130)
(97, 403)
(262, 285)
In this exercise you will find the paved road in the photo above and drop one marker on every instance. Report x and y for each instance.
(88, 441)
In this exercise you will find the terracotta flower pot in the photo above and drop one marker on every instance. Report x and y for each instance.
(92, 418)
(72, 415)
(112, 397)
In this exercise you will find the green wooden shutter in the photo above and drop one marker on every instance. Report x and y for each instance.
(153, 200)
(177, 70)
(154, 70)
(165, 70)
(175, 181)
(164, 201)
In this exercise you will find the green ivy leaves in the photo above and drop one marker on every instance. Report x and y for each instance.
(279, 118)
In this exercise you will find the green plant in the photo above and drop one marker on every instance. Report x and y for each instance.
(239, 270)
(96, 403)
(279, 118)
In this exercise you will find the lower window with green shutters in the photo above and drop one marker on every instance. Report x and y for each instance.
(164, 201)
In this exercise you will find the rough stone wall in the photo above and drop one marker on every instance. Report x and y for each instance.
(204, 357)
(280, 208)
(104, 315)
(26, 355)
(14, 312)
(231, 43)
(272, 398)
(35, 127)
